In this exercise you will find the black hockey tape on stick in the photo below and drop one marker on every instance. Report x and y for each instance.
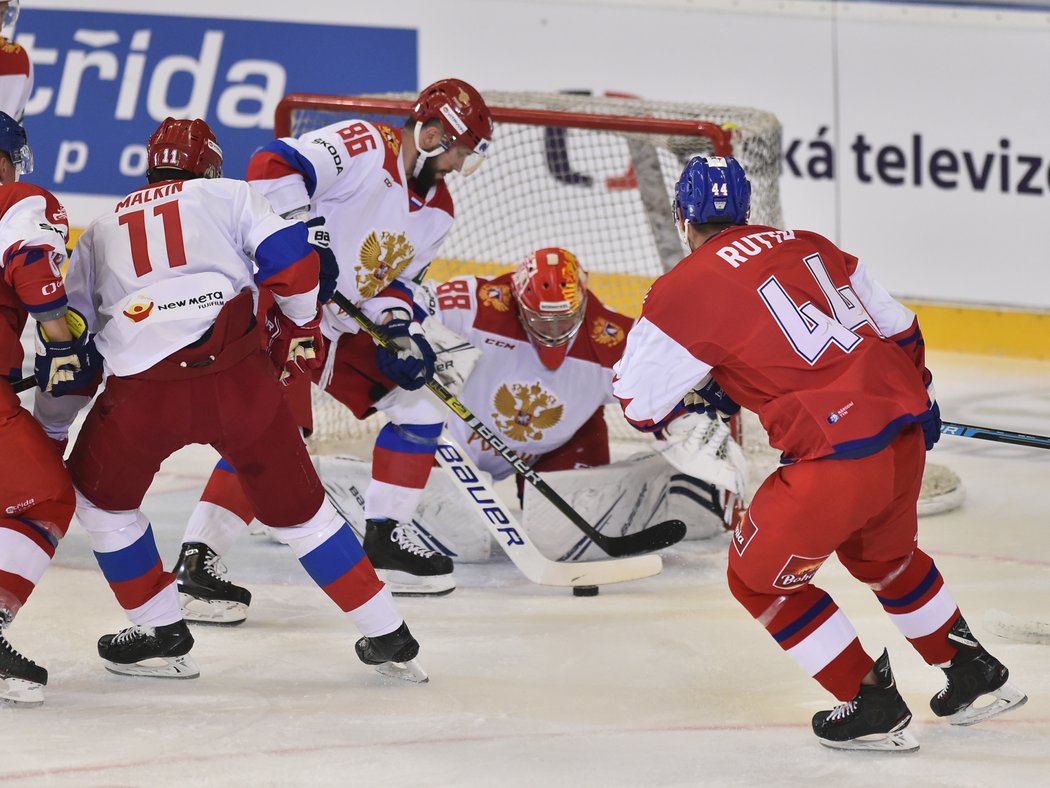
(24, 384)
(992, 434)
(644, 541)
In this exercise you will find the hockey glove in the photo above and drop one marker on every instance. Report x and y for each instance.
(712, 400)
(294, 350)
(65, 366)
(413, 363)
(321, 241)
(930, 421)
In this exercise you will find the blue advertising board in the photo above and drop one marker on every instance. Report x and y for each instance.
(105, 81)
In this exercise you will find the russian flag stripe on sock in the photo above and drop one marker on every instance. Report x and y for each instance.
(130, 562)
(340, 568)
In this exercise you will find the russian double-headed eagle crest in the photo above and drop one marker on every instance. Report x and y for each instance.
(495, 296)
(525, 410)
(606, 332)
(393, 141)
(383, 257)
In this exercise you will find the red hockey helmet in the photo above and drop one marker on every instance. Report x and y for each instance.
(463, 114)
(185, 145)
(550, 288)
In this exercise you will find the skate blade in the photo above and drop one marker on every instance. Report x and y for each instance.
(221, 612)
(405, 584)
(410, 671)
(161, 668)
(1004, 699)
(894, 741)
(19, 692)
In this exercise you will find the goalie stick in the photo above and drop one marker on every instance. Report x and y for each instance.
(991, 434)
(652, 538)
(515, 541)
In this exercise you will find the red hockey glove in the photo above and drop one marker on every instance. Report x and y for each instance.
(294, 350)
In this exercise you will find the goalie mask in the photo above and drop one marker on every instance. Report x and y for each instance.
(550, 289)
(712, 190)
(465, 120)
(14, 145)
(188, 145)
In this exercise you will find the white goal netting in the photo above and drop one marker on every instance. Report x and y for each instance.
(589, 173)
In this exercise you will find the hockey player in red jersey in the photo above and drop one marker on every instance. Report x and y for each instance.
(16, 69)
(789, 326)
(386, 208)
(36, 495)
(168, 282)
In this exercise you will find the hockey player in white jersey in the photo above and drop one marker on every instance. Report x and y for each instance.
(168, 282)
(387, 209)
(545, 346)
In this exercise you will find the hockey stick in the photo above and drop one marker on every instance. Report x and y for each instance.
(645, 541)
(990, 434)
(24, 384)
(515, 541)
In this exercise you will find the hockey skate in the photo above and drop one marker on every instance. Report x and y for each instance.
(974, 675)
(393, 654)
(21, 680)
(404, 562)
(874, 720)
(162, 652)
(204, 595)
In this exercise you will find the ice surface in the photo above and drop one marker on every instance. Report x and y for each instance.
(663, 682)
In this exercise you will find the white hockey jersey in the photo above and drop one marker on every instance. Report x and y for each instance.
(16, 79)
(534, 408)
(151, 277)
(383, 234)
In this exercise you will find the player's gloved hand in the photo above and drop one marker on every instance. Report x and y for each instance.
(64, 366)
(321, 241)
(712, 400)
(931, 420)
(413, 363)
(294, 350)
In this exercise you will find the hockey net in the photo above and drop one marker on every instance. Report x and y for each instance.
(593, 174)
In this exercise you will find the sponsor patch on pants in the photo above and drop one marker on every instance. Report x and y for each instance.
(744, 532)
(798, 570)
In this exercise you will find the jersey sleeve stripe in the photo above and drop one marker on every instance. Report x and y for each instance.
(288, 265)
(277, 160)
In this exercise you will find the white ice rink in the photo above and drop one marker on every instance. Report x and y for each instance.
(663, 682)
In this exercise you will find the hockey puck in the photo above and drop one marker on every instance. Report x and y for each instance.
(585, 590)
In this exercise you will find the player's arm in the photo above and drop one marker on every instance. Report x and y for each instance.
(289, 267)
(899, 324)
(294, 173)
(654, 375)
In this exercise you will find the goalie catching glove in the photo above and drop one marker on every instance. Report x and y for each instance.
(64, 366)
(294, 350)
(411, 366)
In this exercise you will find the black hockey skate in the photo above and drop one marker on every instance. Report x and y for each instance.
(162, 652)
(972, 675)
(204, 595)
(404, 562)
(874, 720)
(393, 654)
(22, 681)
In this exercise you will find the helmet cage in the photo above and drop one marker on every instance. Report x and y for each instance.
(7, 24)
(15, 145)
(550, 288)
